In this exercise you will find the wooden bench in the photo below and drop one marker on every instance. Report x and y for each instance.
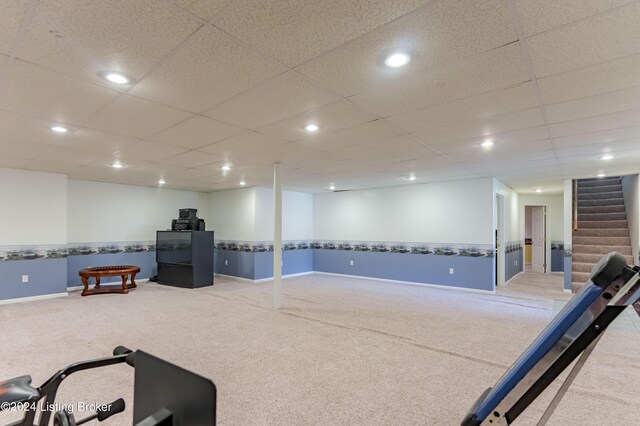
(98, 272)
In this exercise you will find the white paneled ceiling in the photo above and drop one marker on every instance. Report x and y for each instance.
(554, 84)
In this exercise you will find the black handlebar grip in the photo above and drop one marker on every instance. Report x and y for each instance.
(121, 350)
(115, 407)
(131, 359)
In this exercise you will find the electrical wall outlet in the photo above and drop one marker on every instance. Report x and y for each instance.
(25, 278)
(226, 262)
(515, 262)
(351, 262)
(450, 271)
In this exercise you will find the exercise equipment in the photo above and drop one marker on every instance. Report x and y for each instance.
(164, 394)
(575, 330)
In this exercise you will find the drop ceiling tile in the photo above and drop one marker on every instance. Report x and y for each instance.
(204, 9)
(362, 133)
(601, 78)
(281, 97)
(442, 33)
(514, 152)
(135, 117)
(610, 135)
(399, 148)
(62, 155)
(250, 147)
(186, 173)
(600, 149)
(597, 39)
(196, 132)
(22, 150)
(12, 12)
(208, 69)
(336, 116)
(147, 151)
(295, 31)
(516, 98)
(499, 68)
(20, 127)
(95, 141)
(192, 159)
(38, 92)
(542, 15)
(86, 38)
(487, 127)
(52, 167)
(596, 124)
(11, 162)
(621, 100)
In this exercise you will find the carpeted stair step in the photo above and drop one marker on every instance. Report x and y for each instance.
(601, 216)
(602, 224)
(598, 182)
(582, 267)
(605, 202)
(602, 209)
(600, 196)
(605, 241)
(580, 277)
(592, 258)
(602, 188)
(576, 287)
(595, 232)
(600, 250)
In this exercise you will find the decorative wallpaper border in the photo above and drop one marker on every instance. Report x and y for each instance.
(469, 250)
(60, 251)
(511, 246)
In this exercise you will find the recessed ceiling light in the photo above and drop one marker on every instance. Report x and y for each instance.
(397, 60)
(487, 143)
(117, 165)
(412, 177)
(161, 182)
(606, 157)
(311, 128)
(600, 175)
(332, 187)
(226, 167)
(59, 129)
(116, 77)
(242, 183)
(539, 190)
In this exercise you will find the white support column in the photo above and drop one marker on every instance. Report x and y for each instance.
(277, 237)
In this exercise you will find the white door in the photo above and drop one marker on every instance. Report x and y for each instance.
(537, 239)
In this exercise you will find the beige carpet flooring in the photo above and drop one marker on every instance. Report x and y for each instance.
(342, 351)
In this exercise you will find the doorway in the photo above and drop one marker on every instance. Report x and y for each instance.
(535, 239)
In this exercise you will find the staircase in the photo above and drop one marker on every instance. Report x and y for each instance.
(602, 226)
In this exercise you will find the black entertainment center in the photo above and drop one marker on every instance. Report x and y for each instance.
(185, 257)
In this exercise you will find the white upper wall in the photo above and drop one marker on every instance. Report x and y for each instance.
(297, 215)
(103, 212)
(232, 214)
(442, 212)
(33, 210)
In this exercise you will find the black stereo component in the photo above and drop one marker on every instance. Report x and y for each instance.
(187, 221)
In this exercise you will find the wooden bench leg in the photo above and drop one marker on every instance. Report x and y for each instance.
(85, 283)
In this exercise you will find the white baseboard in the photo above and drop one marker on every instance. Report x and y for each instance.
(566, 290)
(81, 287)
(438, 286)
(32, 298)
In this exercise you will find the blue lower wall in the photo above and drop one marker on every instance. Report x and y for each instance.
(513, 263)
(469, 272)
(46, 276)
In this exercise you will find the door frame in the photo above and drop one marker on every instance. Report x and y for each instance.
(499, 240)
